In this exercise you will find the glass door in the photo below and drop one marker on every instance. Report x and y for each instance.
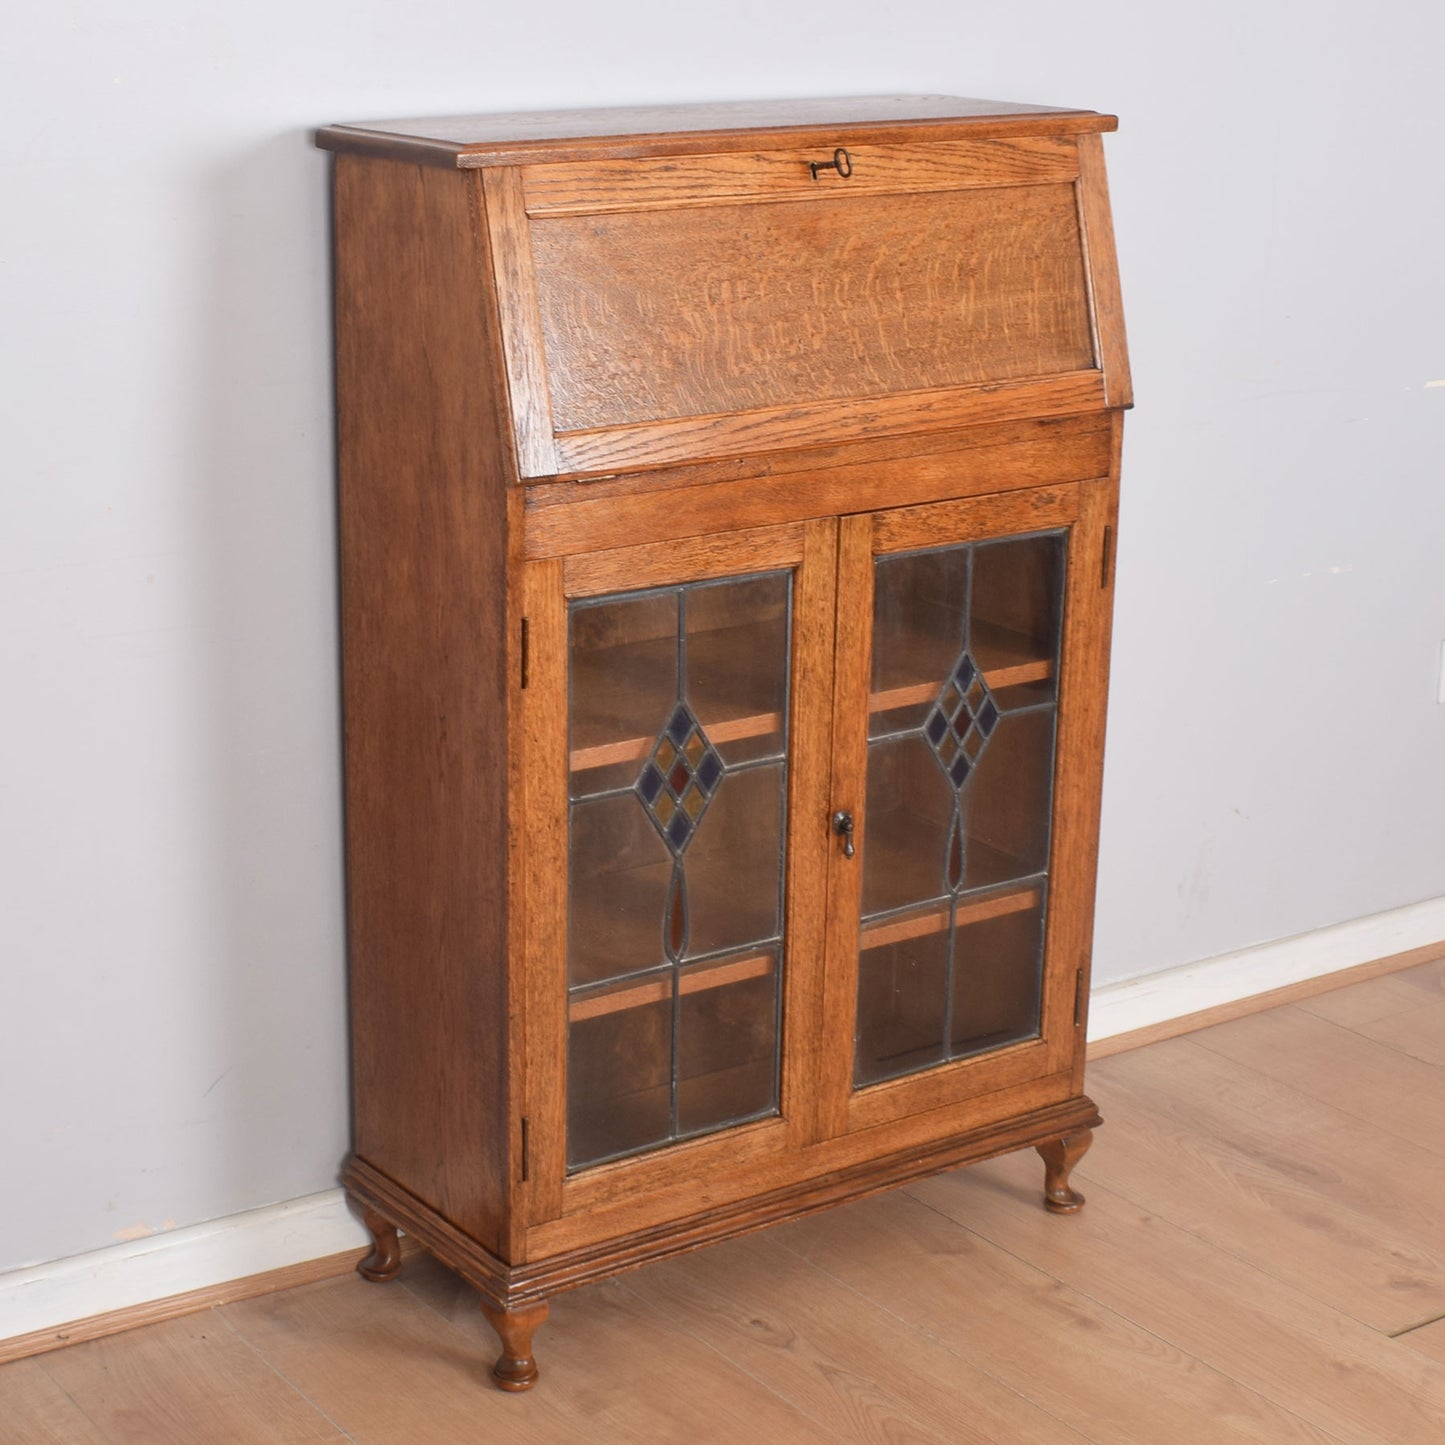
(958, 917)
(959, 783)
(677, 813)
(672, 691)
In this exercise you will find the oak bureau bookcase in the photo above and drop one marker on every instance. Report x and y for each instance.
(726, 499)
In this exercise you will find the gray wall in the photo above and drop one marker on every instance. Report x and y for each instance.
(170, 898)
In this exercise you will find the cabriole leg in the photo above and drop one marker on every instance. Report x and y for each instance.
(1060, 1156)
(384, 1261)
(515, 1368)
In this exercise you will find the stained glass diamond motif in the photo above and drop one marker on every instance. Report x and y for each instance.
(961, 721)
(679, 779)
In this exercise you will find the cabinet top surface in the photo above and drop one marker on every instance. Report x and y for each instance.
(468, 141)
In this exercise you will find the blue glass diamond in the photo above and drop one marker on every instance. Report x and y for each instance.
(679, 828)
(680, 726)
(709, 771)
(936, 727)
(987, 716)
(964, 671)
(960, 770)
(649, 784)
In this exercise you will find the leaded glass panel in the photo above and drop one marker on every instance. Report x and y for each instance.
(678, 768)
(962, 715)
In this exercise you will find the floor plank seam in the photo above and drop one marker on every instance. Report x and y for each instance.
(943, 1344)
(1414, 1140)
(672, 1323)
(78, 1407)
(1153, 1334)
(1161, 1211)
(1420, 1325)
(220, 1311)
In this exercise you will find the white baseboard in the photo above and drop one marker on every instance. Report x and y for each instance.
(124, 1276)
(1156, 998)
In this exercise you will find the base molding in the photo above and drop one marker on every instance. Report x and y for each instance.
(512, 1286)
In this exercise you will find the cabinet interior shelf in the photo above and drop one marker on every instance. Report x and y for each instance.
(608, 679)
(657, 988)
(895, 928)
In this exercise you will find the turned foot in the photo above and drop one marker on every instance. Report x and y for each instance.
(384, 1261)
(515, 1368)
(1060, 1156)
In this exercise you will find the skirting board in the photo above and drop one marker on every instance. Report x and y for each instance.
(90, 1295)
(1176, 1000)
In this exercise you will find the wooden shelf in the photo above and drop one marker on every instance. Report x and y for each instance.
(897, 929)
(657, 988)
(609, 677)
(1006, 658)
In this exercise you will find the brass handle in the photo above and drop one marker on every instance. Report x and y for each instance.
(843, 827)
(842, 162)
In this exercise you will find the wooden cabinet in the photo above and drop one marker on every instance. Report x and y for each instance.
(727, 497)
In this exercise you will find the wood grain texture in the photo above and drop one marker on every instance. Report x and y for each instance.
(388, 1370)
(1341, 1376)
(819, 423)
(1052, 1344)
(1375, 991)
(1427, 1340)
(862, 1371)
(815, 612)
(184, 1381)
(575, 517)
(1079, 769)
(566, 135)
(1106, 305)
(542, 849)
(620, 1367)
(1089, 430)
(424, 467)
(521, 323)
(594, 187)
(652, 316)
(721, 554)
(38, 1412)
(1343, 1069)
(1293, 1186)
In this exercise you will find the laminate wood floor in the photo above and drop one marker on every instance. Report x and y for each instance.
(1262, 1258)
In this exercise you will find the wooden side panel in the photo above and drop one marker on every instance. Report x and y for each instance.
(590, 187)
(1083, 703)
(1104, 299)
(423, 475)
(531, 409)
(697, 312)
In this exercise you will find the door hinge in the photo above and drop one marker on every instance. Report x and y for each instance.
(526, 651)
(1106, 560)
(526, 1163)
(1078, 998)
